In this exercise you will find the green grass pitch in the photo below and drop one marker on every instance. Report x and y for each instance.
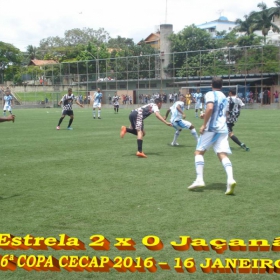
(88, 181)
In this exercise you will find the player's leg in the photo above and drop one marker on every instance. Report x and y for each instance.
(71, 115)
(60, 120)
(99, 112)
(205, 141)
(222, 149)
(93, 112)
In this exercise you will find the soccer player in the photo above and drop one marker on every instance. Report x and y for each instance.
(198, 104)
(67, 101)
(214, 133)
(137, 117)
(8, 102)
(188, 100)
(97, 97)
(177, 120)
(233, 112)
(116, 103)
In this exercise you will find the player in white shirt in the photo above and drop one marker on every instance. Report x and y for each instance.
(198, 101)
(177, 120)
(137, 117)
(97, 97)
(8, 100)
(214, 133)
(233, 112)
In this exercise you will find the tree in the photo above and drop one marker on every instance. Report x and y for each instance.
(245, 25)
(9, 56)
(263, 20)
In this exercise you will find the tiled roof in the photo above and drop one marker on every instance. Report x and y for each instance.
(38, 62)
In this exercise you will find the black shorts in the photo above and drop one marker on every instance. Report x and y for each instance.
(136, 120)
(230, 126)
(116, 106)
(68, 112)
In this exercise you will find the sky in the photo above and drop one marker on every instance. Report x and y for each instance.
(24, 23)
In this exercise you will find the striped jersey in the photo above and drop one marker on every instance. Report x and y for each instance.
(217, 121)
(147, 110)
(97, 96)
(8, 100)
(233, 108)
(197, 96)
(67, 101)
(176, 115)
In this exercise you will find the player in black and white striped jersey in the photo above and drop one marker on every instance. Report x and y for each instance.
(67, 101)
(116, 103)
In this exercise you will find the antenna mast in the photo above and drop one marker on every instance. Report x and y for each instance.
(166, 13)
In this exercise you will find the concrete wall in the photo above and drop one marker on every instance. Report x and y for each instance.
(165, 46)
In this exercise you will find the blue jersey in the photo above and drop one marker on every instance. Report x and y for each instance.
(197, 96)
(217, 121)
(8, 100)
(176, 115)
(97, 97)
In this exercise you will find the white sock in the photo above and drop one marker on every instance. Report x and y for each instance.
(176, 135)
(228, 168)
(199, 166)
(194, 134)
(99, 111)
(93, 113)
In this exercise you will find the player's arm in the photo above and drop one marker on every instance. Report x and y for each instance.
(77, 102)
(7, 119)
(207, 115)
(162, 119)
(166, 114)
(180, 111)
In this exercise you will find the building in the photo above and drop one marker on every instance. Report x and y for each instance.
(218, 25)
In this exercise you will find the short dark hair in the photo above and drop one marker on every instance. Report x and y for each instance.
(233, 91)
(158, 100)
(69, 89)
(217, 82)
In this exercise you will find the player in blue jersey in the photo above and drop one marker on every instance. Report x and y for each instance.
(67, 101)
(97, 97)
(177, 120)
(137, 117)
(198, 101)
(8, 102)
(214, 132)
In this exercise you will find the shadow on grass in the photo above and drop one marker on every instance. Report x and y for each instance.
(8, 197)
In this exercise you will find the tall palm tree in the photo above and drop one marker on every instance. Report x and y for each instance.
(245, 25)
(263, 20)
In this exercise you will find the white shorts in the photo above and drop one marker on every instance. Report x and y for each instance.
(198, 105)
(219, 141)
(96, 105)
(181, 124)
(7, 108)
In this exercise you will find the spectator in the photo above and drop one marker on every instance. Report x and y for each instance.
(276, 96)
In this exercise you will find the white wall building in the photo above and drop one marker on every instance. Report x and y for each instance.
(219, 25)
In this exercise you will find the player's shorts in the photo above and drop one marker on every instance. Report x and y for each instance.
(136, 120)
(181, 124)
(67, 112)
(198, 105)
(219, 141)
(188, 102)
(96, 105)
(116, 106)
(7, 108)
(230, 126)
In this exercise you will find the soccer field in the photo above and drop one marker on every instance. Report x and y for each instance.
(88, 182)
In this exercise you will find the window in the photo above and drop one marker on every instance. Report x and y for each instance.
(122, 86)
